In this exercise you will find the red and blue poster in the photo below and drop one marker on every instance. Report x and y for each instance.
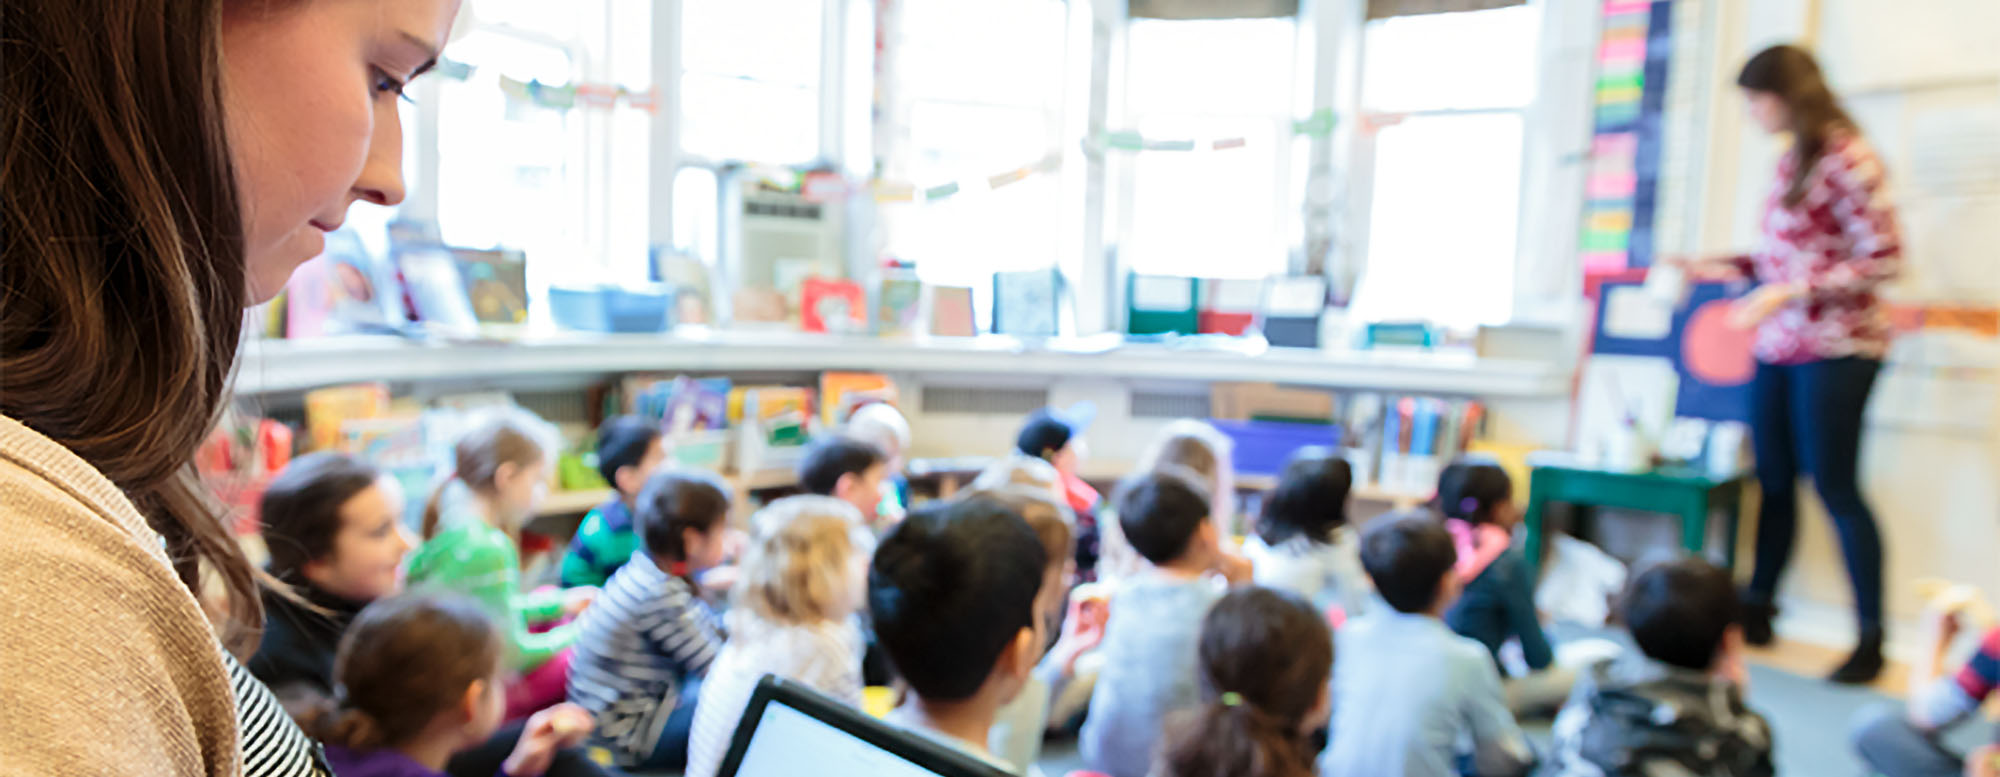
(1711, 356)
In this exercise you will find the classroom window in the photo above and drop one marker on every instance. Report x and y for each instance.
(1209, 212)
(982, 87)
(750, 80)
(696, 220)
(510, 173)
(1445, 200)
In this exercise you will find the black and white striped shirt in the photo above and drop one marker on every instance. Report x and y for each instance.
(273, 746)
(645, 633)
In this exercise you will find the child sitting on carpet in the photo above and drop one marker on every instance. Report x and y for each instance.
(1680, 711)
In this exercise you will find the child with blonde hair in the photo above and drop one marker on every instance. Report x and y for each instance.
(803, 577)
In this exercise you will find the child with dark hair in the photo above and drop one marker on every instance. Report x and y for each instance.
(1155, 624)
(335, 535)
(1303, 542)
(849, 470)
(1407, 691)
(1021, 725)
(643, 646)
(1498, 601)
(1684, 616)
(1055, 436)
(953, 590)
(629, 448)
(420, 678)
(334, 530)
(1265, 656)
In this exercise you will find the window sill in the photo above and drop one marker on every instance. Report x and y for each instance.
(279, 366)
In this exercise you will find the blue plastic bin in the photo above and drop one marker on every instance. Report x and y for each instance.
(612, 308)
(1263, 446)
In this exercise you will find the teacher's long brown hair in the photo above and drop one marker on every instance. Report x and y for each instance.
(1790, 73)
(121, 256)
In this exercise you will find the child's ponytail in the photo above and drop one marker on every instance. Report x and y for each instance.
(1266, 657)
(1229, 735)
(328, 722)
(434, 507)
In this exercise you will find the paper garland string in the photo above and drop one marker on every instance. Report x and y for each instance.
(826, 186)
(563, 97)
(1319, 125)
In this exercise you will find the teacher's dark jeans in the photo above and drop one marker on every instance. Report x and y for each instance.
(1805, 419)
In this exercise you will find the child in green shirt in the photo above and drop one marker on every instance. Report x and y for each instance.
(470, 547)
(629, 449)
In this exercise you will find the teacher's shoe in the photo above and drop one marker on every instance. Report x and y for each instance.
(1866, 664)
(1757, 613)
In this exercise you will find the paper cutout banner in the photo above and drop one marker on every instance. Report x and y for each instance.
(566, 96)
(1319, 125)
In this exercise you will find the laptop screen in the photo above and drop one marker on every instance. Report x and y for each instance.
(788, 741)
(789, 729)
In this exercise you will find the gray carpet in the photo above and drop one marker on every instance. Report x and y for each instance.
(1809, 720)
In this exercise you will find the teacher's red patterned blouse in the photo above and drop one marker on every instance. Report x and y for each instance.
(1840, 243)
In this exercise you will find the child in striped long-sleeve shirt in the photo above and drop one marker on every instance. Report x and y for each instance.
(1903, 741)
(643, 647)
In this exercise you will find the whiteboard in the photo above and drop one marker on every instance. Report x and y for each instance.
(1942, 149)
(1868, 45)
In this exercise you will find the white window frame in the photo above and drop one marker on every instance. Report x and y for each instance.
(1557, 128)
(1288, 183)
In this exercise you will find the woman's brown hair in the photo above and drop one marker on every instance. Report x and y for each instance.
(300, 509)
(404, 661)
(502, 439)
(122, 258)
(1266, 657)
(1793, 76)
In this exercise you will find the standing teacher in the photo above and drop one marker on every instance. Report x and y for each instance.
(1830, 241)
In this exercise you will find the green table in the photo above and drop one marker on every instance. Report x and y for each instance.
(1687, 493)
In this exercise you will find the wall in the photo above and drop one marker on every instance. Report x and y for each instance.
(1923, 80)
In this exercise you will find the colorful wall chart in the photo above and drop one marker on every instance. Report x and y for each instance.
(1625, 153)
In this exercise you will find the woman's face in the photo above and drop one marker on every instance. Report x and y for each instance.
(1768, 110)
(368, 550)
(310, 89)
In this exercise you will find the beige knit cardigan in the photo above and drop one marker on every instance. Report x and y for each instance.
(107, 665)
